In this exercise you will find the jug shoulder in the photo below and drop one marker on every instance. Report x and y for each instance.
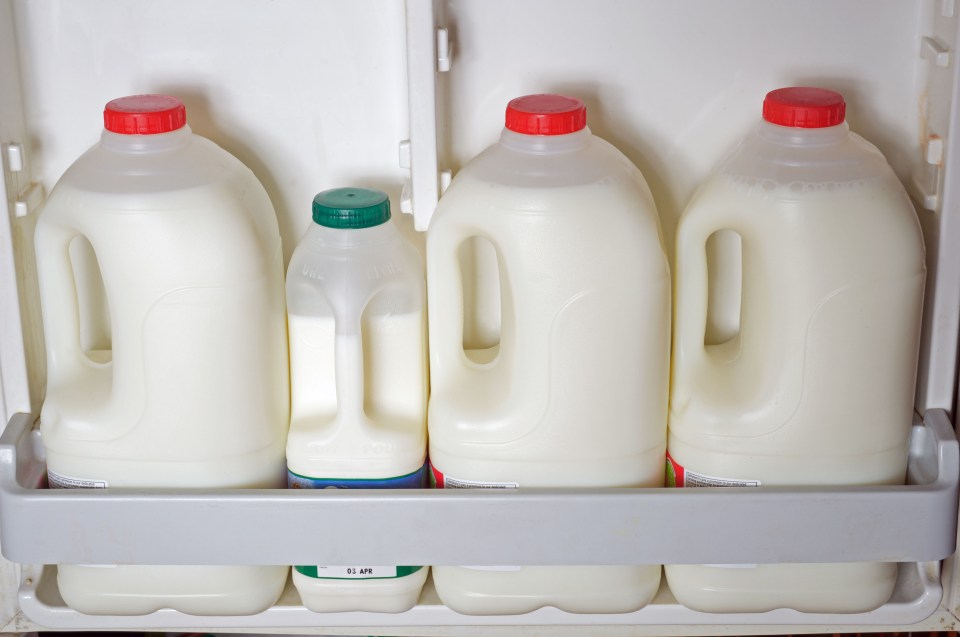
(595, 161)
(195, 163)
(847, 158)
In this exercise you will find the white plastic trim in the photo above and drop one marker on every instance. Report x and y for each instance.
(937, 188)
(14, 377)
(421, 192)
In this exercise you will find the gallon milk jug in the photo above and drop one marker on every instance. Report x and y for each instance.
(187, 383)
(558, 377)
(816, 385)
(358, 363)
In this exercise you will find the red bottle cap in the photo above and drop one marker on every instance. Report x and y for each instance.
(804, 107)
(144, 115)
(546, 114)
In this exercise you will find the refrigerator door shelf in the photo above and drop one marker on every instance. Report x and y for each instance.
(913, 524)
(915, 598)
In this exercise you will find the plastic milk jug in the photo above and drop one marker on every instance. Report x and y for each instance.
(815, 383)
(181, 380)
(549, 338)
(358, 364)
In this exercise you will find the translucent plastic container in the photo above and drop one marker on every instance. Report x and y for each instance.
(549, 338)
(166, 345)
(813, 383)
(358, 361)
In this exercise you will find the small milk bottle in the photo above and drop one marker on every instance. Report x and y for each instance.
(815, 384)
(549, 339)
(161, 284)
(358, 364)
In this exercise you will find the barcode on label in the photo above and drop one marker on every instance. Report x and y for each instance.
(59, 481)
(692, 479)
(456, 483)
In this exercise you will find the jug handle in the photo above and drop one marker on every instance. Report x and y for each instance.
(691, 292)
(446, 318)
(58, 294)
(349, 366)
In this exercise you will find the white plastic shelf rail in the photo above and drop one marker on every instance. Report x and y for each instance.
(913, 524)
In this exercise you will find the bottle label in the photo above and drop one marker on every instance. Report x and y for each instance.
(416, 480)
(59, 481)
(357, 572)
(440, 481)
(679, 476)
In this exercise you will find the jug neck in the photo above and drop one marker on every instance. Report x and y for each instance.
(790, 136)
(145, 143)
(352, 237)
(545, 144)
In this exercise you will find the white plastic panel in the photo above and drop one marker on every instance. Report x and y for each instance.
(309, 95)
(21, 350)
(675, 85)
(935, 184)
(21, 354)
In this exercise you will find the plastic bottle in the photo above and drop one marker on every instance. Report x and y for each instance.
(816, 385)
(187, 385)
(358, 360)
(559, 376)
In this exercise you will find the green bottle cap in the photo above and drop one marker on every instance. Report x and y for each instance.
(351, 208)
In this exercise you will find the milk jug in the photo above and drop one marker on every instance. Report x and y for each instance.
(186, 384)
(358, 363)
(549, 296)
(815, 383)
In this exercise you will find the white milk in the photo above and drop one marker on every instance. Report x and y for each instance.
(194, 391)
(572, 392)
(359, 385)
(816, 387)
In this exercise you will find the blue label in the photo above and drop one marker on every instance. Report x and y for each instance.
(419, 479)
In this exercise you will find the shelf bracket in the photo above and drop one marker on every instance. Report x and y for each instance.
(935, 52)
(926, 178)
(28, 198)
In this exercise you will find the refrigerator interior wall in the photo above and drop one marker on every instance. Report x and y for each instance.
(312, 95)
